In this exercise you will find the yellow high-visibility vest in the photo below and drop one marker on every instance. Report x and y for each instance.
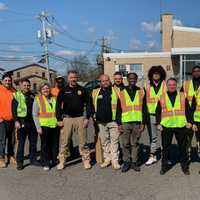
(131, 110)
(21, 107)
(189, 90)
(152, 98)
(114, 98)
(47, 112)
(173, 116)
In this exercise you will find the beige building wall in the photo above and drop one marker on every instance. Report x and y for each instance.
(182, 39)
(147, 62)
(166, 32)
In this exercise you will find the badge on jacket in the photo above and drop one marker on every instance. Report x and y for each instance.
(79, 92)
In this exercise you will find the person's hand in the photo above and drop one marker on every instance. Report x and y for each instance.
(60, 123)
(39, 130)
(85, 123)
(141, 129)
(194, 128)
(17, 125)
(188, 125)
(159, 127)
(120, 128)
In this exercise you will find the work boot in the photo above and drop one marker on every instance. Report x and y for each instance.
(12, 160)
(152, 159)
(185, 169)
(86, 159)
(135, 167)
(126, 166)
(2, 163)
(60, 166)
(20, 166)
(115, 164)
(105, 164)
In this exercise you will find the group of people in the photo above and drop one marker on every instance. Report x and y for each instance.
(119, 113)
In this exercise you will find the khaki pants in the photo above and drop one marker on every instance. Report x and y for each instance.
(71, 125)
(109, 135)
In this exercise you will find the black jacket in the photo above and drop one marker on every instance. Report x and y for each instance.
(71, 101)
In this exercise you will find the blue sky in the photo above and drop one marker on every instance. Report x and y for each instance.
(131, 25)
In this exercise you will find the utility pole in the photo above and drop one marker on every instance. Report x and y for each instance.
(44, 35)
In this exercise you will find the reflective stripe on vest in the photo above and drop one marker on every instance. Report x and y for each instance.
(131, 110)
(153, 98)
(197, 110)
(21, 107)
(114, 98)
(47, 116)
(173, 116)
(189, 90)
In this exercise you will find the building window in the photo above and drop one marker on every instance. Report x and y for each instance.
(137, 68)
(18, 74)
(123, 69)
(34, 87)
(126, 68)
(43, 74)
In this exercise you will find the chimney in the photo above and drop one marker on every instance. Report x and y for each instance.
(166, 31)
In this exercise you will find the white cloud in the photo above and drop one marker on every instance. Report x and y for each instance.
(69, 53)
(177, 22)
(110, 36)
(150, 28)
(91, 29)
(151, 45)
(134, 43)
(3, 6)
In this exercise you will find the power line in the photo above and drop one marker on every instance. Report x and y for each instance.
(18, 43)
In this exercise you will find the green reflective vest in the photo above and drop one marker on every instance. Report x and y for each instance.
(47, 112)
(131, 110)
(173, 116)
(21, 107)
(114, 98)
(197, 110)
(152, 98)
(189, 90)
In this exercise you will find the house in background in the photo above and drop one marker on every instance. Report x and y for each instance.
(35, 72)
(180, 51)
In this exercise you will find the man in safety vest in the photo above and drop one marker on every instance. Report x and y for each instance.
(22, 113)
(191, 89)
(118, 81)
(105, 102)
(6, 121)
(173, 116)
(131, 117)
(154, 87)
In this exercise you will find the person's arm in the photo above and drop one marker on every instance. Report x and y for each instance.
(189, 111)
(119, 113)
(59, 103)
(144, 110)
(88, 102)
(35, 113)
(158, 113)
(14, 109)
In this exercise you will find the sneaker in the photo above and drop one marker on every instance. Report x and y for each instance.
(185, 170)
(86, 164)
(105, 164)
(46, 168)
(60, 166)
(116, 165)
(135, 167)
(2, 163)
(125, 167)
(152, 159)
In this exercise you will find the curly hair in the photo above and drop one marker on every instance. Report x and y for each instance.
(157, 69)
